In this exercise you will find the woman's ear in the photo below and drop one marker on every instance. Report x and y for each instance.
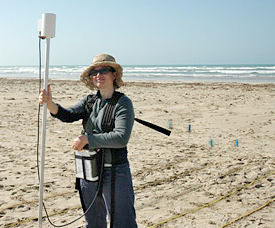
(114, 76)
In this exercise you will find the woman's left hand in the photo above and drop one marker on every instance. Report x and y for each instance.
(80, 142)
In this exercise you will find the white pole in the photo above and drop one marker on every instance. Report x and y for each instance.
(44, 118)
(46, 27)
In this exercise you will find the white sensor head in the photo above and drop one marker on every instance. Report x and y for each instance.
(48, 25)
(39, 25)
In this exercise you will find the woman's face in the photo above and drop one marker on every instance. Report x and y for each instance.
(103, 77)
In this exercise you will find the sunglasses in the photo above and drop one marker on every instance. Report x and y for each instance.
(103, 70)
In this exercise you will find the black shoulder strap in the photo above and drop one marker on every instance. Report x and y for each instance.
(108, 118)
(91, 98)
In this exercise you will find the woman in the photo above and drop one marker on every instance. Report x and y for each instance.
(105, 75)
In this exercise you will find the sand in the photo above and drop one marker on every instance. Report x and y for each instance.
(179, 181)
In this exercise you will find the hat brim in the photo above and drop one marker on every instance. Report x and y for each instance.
(88, 81)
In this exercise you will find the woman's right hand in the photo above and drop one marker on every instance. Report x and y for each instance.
(46, 98)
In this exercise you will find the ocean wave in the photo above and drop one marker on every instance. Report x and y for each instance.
(167, 72)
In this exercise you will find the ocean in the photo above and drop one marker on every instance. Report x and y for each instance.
(196, 73)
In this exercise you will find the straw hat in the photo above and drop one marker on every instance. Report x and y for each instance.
(102, 60)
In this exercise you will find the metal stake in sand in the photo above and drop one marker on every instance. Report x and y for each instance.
(211, 142)
(169, 124)
(47, 29)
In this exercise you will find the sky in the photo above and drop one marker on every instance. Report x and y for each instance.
(141, 32)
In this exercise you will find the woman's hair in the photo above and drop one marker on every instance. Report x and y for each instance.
(115, 83)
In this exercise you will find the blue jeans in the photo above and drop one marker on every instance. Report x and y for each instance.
(125, 216)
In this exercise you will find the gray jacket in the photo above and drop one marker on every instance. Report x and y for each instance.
(117, 138)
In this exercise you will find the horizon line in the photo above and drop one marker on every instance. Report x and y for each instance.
(209, 64)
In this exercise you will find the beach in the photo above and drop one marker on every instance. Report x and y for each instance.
(217, 166)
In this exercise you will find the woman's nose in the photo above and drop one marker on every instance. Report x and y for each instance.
(99, 73)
